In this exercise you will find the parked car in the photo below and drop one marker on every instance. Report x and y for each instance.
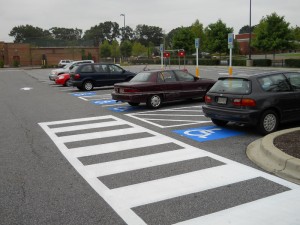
(64, 62)
(263, 100)
(87, 76)
(63, 79)
(158, 86)
(66, 69)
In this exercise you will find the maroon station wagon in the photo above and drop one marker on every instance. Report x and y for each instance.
(158, 86)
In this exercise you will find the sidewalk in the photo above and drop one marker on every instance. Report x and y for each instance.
(263, 153)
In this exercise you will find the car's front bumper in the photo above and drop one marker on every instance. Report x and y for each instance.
(52, 77)
(244, 116)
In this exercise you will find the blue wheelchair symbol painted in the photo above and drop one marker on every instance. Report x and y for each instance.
(104, 102)
(84, 94)
(121, 109)
(208, 133)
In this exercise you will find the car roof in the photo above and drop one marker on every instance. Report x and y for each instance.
(256, 75)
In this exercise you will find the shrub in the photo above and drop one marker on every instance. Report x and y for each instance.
(239, 62)
(262, 62)
(292, 63)
(1, 64)
(16, 63)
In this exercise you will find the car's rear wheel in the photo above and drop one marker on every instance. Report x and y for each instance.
(220, 123)
(133, 103)
(268, 122)
(154, 101)
(88, 85)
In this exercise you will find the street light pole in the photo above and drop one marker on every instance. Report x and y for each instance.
(250, 33)
(123, 14)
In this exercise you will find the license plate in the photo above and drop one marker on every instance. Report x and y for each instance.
(222, 100)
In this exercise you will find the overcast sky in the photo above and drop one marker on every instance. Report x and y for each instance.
(167, 14)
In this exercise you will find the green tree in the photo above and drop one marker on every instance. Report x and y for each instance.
(126, 48)
(148, 34)
(184, 38)
(115, 49)
(105, 49)
(104, 31)
(296, 37)
(245, 29)
(138, 49)
(66, 34)
(272, 34)
(217, 37)
(28, 33)
(127, 33)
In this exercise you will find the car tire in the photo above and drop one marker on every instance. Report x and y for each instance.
(268, 122)
(220, 123)
(133, 103)
(88, 85)
(154, 101)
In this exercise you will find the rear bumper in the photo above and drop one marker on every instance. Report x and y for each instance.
(244, 116)
(137, 98)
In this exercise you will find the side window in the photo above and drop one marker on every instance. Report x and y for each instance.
(183, 76)
(115, 69)
(87, 69)
(274, 83)
(168, 76)
(294, 79)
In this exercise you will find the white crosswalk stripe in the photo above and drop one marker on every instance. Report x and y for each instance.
(124, 198)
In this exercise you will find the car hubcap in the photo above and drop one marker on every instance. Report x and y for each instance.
(155, 101)
(269, 122)
(88, 86)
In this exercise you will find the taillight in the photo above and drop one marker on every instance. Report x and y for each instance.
(243, 102)
(76, 76)
(208, 99)
(130, 90)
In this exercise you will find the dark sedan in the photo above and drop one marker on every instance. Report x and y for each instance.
(158, 86)
(87, 76)
(263, 100)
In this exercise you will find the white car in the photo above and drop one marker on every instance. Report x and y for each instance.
(66, 69)
(64, 62)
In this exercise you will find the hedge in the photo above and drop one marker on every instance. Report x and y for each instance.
(262, 62)
(292, 63)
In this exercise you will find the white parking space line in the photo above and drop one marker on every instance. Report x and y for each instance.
(123, 199)
(160, 117)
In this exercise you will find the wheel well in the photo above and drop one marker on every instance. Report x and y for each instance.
(273, 109)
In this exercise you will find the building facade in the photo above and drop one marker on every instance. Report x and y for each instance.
(26, 55)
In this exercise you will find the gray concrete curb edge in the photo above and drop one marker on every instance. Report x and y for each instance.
(264, 154)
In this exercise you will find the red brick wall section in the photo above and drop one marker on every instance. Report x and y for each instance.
(32, 56)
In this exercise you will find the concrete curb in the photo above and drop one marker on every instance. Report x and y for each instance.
(264, 154)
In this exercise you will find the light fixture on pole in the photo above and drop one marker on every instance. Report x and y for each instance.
(123, 14)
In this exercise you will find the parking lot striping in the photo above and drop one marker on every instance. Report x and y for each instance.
(96, 97)
(171, 113)
(123, 199)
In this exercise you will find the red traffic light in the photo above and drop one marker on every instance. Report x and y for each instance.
(181, 53)
(167, 54)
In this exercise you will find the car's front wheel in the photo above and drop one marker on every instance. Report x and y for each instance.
(268, 122)
(88, 85)
(133, 103)
(220, 123)
(154, 101)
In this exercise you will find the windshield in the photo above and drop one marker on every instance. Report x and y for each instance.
(232, 85)
(142, 77)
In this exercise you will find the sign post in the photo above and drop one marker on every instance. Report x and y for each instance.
(197, 41)
(161, 48)
(230, 46)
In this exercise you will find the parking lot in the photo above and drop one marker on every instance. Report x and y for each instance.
(130, 164)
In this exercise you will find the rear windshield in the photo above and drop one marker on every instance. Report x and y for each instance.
(232, 85)
(142, 77)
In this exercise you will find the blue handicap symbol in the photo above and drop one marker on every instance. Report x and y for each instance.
(84, 94)
(122, 109)
(104, 102)
(208, 133)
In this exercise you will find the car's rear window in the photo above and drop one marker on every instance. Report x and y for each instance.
(142, 77)
(232, 86)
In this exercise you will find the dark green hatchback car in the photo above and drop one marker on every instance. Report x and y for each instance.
(263, 100)
(87, 76)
